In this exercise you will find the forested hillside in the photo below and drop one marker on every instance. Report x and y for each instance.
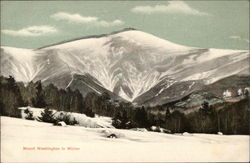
(226, 117)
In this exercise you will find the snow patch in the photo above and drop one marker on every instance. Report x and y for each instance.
(85, 121)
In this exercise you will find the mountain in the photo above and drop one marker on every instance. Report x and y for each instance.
(134, 65)
(213, 93)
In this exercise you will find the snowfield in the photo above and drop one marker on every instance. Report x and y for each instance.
(32, 141)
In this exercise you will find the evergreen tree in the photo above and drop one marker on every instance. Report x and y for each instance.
(29, 114)
(105, 96)
(141, 117)
(246, 92)
(116, 120)
(167, 114)
(39, 100)
(10, 98)
(47, 116)
(89, 112)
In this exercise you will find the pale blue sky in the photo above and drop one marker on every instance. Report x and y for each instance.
(207, 24)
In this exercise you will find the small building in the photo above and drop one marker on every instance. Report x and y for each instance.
(227, 94)
(240, 92)
(246, 91)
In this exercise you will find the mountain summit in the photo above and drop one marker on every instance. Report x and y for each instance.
(132, 64)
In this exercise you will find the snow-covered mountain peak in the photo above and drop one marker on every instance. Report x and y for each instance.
(133, 36)
(127, 63)
(141, 38)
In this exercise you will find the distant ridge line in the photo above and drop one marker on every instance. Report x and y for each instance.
(87, 37)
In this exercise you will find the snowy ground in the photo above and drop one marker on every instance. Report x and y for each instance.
(21, 140)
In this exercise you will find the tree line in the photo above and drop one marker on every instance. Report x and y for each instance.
(229, 118)
(16, 94)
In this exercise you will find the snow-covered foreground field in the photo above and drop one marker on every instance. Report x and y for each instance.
(32, 141)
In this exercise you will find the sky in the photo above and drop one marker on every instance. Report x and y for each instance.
(205, 24)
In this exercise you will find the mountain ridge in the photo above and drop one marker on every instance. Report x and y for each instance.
(128, 63)
(87, 37)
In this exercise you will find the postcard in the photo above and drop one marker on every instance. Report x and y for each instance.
(125, 81)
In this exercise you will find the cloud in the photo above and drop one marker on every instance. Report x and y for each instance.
(31, 31)
(107, 24)
(239, 38)
(173, 7)
(77, 18)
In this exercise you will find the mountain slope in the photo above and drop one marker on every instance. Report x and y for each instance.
(18, 63)
(130, 64)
